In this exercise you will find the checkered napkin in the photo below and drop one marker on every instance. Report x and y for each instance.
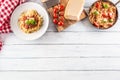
(6, 9)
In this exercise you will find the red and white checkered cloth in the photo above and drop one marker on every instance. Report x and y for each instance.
(6, 9)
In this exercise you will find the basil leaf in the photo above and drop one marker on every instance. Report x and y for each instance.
(27, 22)
(106, 6)
(96, 12)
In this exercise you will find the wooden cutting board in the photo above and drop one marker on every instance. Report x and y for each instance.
(67, 23)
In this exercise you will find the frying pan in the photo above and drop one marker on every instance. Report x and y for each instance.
(111, 4)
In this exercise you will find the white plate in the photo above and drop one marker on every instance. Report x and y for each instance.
(17, 12)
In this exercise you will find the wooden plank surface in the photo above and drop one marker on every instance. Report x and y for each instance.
(76, 75)
(60, 64)
(60, 51)
(76, 38)
(81, 52)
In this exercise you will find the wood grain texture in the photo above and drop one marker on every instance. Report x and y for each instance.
(81, 52)
(75, 38)
(60, 64)
(60, 51)
(83, 75)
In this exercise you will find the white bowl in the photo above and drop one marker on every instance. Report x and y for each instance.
(16, 14)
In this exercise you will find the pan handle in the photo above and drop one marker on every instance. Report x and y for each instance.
(117, 2)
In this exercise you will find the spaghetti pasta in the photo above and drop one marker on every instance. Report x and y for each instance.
(30, 21)
(103, 14)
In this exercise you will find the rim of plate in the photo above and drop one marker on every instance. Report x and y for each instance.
(14, 21)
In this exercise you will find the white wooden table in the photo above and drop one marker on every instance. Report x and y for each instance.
(81, 52)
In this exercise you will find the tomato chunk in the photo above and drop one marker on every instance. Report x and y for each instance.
(110, 15)
(96, 24)
(97, 5)
(105, 15)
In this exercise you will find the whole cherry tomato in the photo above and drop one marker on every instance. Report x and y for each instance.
(55, 21)
(61, 7)
(55, 9)
(61, 13)
(55, 15)
(60, 23)
(58, 15)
